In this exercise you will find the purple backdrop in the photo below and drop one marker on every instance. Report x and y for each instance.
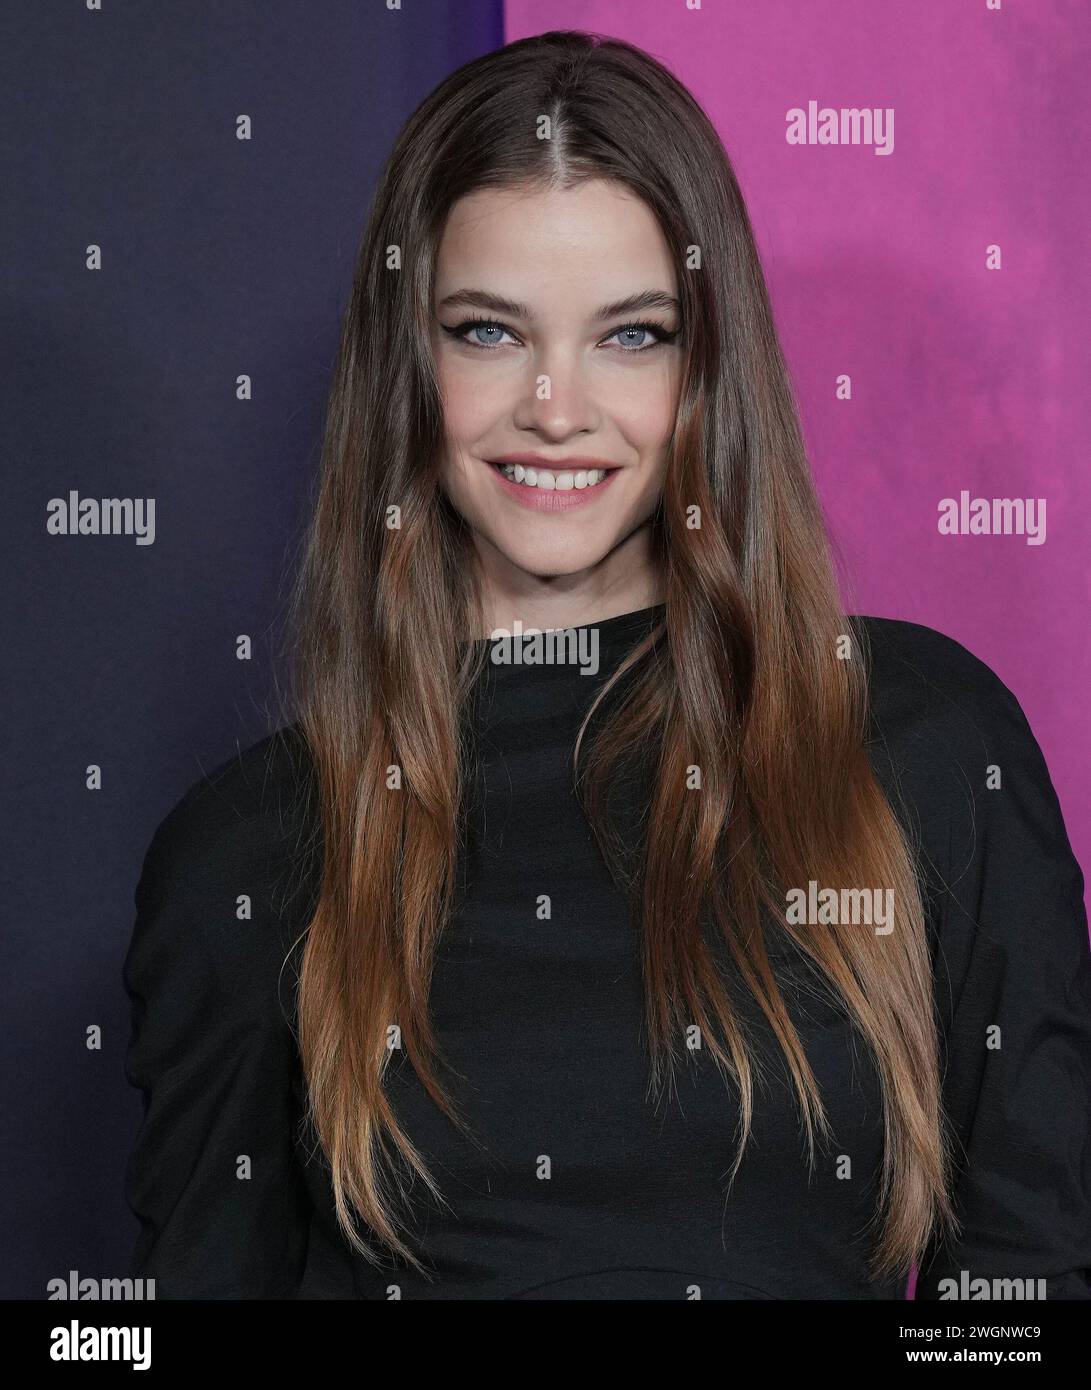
(963, 378)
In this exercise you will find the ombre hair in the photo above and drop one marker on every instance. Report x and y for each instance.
(744, 678)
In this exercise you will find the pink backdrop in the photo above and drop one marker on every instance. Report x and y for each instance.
(963, 378)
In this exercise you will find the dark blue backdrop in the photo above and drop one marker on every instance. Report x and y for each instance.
(220, 258)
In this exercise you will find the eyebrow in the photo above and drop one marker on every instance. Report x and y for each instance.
(497, 304)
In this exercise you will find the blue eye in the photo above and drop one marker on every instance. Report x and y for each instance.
(479, 328)
(643, 330)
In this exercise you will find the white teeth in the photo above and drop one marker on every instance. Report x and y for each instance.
(548, 481)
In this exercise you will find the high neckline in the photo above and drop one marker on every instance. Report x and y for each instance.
(577, 661)
(609, 629)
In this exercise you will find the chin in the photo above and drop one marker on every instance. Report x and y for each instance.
(549, 561)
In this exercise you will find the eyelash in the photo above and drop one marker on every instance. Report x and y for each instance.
(458, 331)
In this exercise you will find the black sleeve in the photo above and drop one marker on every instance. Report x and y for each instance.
(213, 1055)
(1015, 981)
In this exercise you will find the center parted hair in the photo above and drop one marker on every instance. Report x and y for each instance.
(749, 681)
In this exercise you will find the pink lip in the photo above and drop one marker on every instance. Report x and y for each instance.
(542, 500)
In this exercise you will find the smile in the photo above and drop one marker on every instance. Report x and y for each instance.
(552, 490)
(552, 482)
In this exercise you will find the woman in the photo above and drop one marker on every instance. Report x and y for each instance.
(708, 943)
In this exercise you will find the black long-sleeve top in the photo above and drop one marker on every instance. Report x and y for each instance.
(585, 1188)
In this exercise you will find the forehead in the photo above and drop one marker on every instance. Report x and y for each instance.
(596, 238)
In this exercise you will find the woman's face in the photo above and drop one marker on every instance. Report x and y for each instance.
(559, 401)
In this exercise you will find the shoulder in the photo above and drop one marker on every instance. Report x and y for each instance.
(939, 714)
(229, 879)
(248, 809)
(964, 772)
(920, 676)
(955, 753)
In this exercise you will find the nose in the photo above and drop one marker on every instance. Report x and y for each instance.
(558, 400)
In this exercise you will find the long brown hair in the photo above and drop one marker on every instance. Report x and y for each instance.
(752, 682)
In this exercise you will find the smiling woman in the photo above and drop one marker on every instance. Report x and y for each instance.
(567, 360)
(493, 907)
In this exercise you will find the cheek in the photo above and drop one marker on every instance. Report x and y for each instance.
(643, 407)
(473, 401)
